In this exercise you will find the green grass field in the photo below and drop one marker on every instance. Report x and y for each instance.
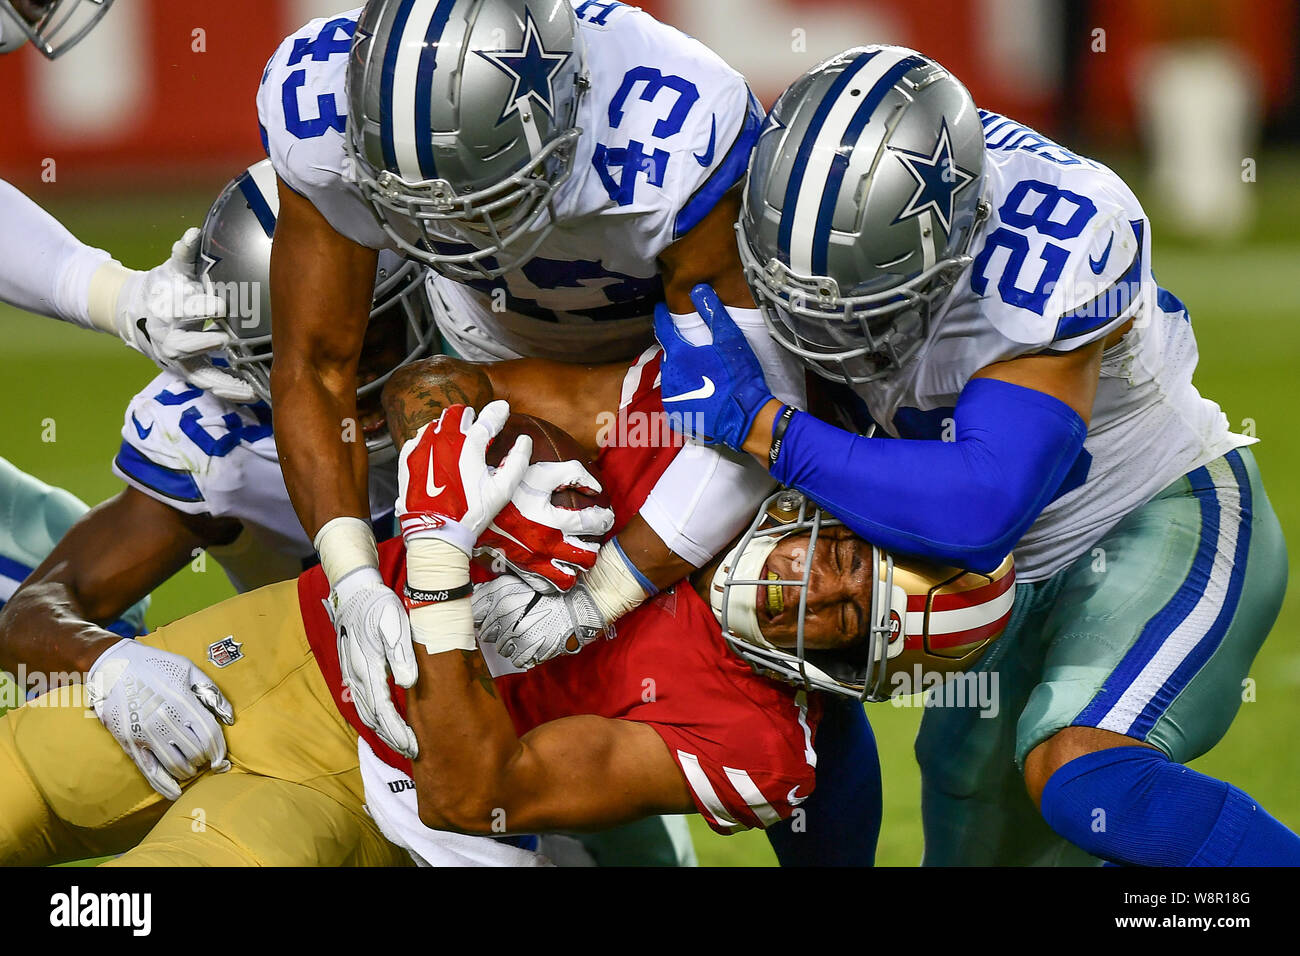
(1245, 305)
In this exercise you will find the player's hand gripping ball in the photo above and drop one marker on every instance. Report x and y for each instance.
(446, 489)
(552, 529)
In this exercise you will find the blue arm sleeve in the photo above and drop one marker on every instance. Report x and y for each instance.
(965, 502)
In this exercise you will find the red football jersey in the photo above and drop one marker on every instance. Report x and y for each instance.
(743, 743)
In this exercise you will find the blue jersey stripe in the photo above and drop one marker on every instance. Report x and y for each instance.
(1110, 304)
(1210, 642)
(18, 573)
(1170, 303)
(840, 165)
(806, 147)
(13, 570)
(424, 89)
(1159, 627)
(257, 202)
(174, 484)
(730, 171)
(386, 83)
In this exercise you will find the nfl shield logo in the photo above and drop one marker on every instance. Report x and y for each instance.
(225, 652)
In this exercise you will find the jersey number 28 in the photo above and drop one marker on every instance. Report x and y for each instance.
(1013, 236)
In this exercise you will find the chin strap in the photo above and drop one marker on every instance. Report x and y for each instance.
(741, 600)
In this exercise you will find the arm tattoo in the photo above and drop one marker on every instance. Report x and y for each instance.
(478, 671)
(418, 393)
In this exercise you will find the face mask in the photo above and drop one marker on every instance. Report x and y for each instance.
(11, 36)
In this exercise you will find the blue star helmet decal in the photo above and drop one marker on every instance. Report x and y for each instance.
(532, 69)
(938, 180)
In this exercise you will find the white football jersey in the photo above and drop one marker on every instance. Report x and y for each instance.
(1065, 260)
(667, 129)
(202, 455)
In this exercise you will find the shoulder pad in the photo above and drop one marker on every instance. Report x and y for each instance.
(176, 439)
(1064, 257)
(302, 114)
(674, 125)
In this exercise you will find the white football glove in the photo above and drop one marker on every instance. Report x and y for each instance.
(161, 314)
(160, 708)
(374, 634)
(529, 627)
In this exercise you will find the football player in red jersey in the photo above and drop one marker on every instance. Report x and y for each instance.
(578, 742)
(664, 718)
(711, 735)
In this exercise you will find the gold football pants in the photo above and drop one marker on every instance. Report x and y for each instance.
(292, 798)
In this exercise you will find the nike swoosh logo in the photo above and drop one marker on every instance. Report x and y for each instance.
(142, 432)
(705, 158)
(143, 326)
(430, 488)
(493, 526)
(704, 391)
(793, 797)
(1098, 264)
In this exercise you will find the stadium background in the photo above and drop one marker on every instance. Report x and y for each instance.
(129, 137)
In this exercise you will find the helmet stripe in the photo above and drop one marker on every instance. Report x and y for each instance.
(840, 164)
(806, 147)
(386, 83)
(841, 106)
(406, 81)
(424, 89)
(261, 197)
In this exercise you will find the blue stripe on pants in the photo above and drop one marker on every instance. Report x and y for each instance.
(1208, 644)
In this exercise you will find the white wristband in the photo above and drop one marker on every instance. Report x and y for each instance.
(345, 544)
(612, 586)
(101, 300)
(434, 565)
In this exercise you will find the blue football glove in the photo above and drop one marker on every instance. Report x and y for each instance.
(711, 392)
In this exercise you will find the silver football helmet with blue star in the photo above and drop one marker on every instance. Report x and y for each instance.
(234, 263)
(52, 26)
(462, 125)
(862, 201)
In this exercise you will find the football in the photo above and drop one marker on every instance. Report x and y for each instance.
(550, 443)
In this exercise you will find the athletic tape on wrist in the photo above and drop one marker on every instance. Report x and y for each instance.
(101, 299)
(433, 565)
(345, 544)
(614, 589)
(641, 579)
